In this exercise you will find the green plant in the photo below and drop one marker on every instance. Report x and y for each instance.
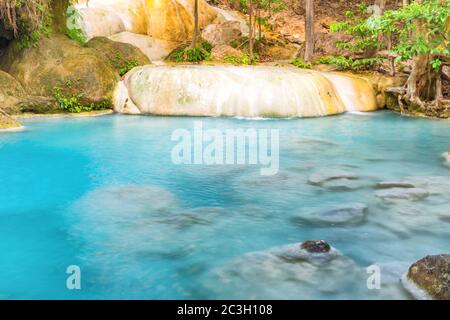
(242, 60)
(29, 20)
(71, 102)
(123, 65)
(74, 32)
(300, 63)
(189, 54)
(349, 63)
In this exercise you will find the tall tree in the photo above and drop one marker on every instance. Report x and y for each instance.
(251, 35)
(196, 31)
(309, 30)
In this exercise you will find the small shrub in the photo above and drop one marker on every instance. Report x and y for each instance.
(188, 54)
(243, 60)
(349, 63)
(73, 102)
(300, 63)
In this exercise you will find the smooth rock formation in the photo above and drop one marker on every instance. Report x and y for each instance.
(96, 22)
(55, 61)
(11, 93)
(217, 91)
(121, 15)
(227, 15)
(291, 272)
(429, 278)
(154, 49)
(340, 215)
(118, 54)
(222, 33)
(14, 99)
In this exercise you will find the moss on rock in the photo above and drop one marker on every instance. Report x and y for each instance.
(56, 61)
(121, 56)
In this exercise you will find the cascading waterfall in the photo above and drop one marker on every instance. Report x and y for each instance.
(261, 91)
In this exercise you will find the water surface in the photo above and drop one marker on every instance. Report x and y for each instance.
(103, 194)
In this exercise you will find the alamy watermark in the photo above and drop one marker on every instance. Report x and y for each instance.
(227, 147)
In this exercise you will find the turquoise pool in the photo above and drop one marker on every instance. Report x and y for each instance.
(103, 194)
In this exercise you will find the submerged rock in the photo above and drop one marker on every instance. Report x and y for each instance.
(320, 178)
(402, 194)
(394, 184)
(316, 246)
(429, 278)
(340, 215)
(312, 250)
(290, 272)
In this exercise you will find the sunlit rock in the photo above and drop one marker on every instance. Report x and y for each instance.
(222, 33)
(96, 22)
(173, 20)
(356, 89)
(217, 91)
(429, 278)
(340, 215)
(131, 13)
(154, 49)
(228, 15)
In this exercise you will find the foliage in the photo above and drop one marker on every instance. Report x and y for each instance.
(242, 60)
(75, 33)
(349, 63)
(28, 19)
(73, 102)
(300, 63)
(417, 28)
(188, 54)
(122, 65)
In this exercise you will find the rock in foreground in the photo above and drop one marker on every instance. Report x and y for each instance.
(429, 278)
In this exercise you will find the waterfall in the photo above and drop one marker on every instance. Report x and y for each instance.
(259, 91)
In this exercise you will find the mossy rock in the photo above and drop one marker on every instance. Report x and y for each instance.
(432, 275)
(58, 60)
(6, 122)
(121, 56)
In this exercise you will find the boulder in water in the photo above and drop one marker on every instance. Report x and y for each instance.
(315, 246)
(394, 184)
(429, 278)
(340, 215)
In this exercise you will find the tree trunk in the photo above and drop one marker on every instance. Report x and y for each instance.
(309, 31)
(195, 36)
(251, 29)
